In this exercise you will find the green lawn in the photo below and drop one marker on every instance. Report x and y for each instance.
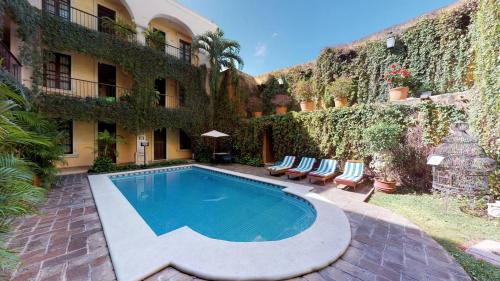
(450, 228)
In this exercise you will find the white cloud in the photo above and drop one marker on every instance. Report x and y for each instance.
(260, 50)
(274, 35)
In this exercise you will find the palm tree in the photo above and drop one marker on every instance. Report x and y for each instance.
(222, 53)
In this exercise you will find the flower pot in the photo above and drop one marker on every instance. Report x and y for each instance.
(384, 186)
(257, 114)
(281, 109)
(399, 93)
(340, 102)
(307, 106)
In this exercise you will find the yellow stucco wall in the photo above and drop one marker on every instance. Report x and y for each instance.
(173, 146)
(172, 33)
(91, 7)
(84, 134)
(126, 151)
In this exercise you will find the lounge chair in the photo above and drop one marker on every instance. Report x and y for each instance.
(353, 174)
(286, 164)
(305, 166)
(325, 171)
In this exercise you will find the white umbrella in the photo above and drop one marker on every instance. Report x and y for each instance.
(214, 134)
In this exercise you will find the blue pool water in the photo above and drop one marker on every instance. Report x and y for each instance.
(217, 205)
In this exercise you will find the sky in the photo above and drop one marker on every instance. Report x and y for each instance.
(279, 33)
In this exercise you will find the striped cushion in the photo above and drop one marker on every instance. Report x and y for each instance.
(352, 172)
(287, 163)
(326, 168)
(306, 164)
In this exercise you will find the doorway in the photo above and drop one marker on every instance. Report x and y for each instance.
(111, 128)
(107, 80)
(102, 13)
(161, 87)
(160, 144)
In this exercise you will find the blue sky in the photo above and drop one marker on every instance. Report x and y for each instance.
(280, 33)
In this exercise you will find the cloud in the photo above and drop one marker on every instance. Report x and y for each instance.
(260, 50)
(274, 35)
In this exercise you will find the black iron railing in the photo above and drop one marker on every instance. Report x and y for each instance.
(10, 62)
(64, 85)
(170, 101)
(102, 24)
(184, 54)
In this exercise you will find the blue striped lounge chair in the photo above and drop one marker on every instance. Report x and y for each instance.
(353, 173)
(286, 164)
(305, 166)
(325, 171)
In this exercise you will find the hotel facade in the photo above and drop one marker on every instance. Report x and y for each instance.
(80, 75)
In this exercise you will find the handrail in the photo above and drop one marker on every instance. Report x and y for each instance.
(10, 62)
(174, 51)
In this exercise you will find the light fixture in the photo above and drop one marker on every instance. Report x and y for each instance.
(391, 41)
(280, 81)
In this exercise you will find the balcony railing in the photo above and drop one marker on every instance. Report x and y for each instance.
(87, 20)
(170, 101)
(10, 62)
(179, 53)
(82, 88)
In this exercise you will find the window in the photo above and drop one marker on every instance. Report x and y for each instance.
(57, 71)
(66, 128)
(185, 51)
(60, 8)
(184, 140)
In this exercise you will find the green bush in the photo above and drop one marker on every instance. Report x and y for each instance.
(250, 160)
(342, 87)
(103, 164)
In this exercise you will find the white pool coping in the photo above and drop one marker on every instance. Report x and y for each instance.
(137, 252)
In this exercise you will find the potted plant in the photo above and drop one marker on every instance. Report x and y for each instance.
(339, 91)
(380, 140)
(155, 39)
(254, 105)
(281, 102)
(398, 80)
(304, 92)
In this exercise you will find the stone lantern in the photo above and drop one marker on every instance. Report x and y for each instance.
(459, 165)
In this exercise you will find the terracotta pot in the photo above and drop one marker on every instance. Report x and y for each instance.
(257, 114)
(399, 93)
(307, 106)
(384, 186)
(37, 181)
(281, 109)
(340, 102)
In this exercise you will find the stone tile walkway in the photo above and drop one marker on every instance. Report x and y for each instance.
(65, 242)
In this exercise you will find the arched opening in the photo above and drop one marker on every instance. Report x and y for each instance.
(170, 34)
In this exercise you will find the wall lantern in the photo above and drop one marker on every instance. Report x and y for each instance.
(391, 41)
(280, 81)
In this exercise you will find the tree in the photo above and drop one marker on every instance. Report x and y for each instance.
(223, 54)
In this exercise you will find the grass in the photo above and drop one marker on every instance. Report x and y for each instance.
(448, 226)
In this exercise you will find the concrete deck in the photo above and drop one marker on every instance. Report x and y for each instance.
(65, 241)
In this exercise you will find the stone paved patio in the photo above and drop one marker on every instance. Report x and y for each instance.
(65, 242)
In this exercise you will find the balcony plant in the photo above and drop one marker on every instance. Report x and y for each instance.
(119, 27)
(304, 93)
(380, 141)
(281, 101)
(254, 105)
(155, 38)
(339, 92)
(398, 80)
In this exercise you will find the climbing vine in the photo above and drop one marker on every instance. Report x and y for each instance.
(143, 63)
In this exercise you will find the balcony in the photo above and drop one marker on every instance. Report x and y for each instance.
(183, 54)
(83, 89)
(79, 88)
(71, 14)
(10, 62)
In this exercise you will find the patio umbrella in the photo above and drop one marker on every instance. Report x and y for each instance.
(214, 134)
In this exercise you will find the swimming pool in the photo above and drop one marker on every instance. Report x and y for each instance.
(216, 224)
(215, 204)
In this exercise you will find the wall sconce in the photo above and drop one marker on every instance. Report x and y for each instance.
(390, 41)
(280, 81)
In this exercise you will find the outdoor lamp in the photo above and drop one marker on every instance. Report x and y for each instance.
(280, 81)
(391, 41)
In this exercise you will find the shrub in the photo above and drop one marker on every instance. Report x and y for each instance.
(342, 87)
(250, 160)
(281, 100)
(304, 91)
(103, 164)
(397, 76)
(380, 140)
